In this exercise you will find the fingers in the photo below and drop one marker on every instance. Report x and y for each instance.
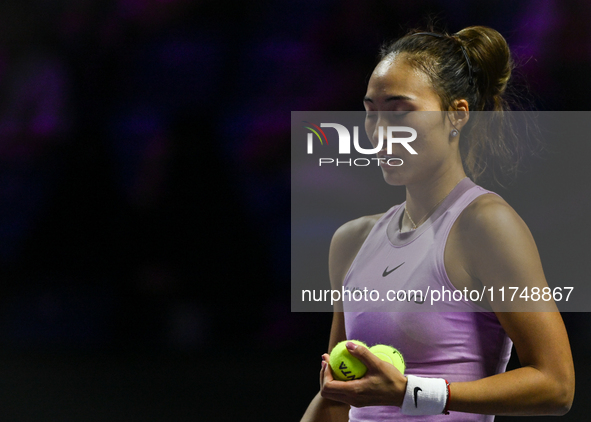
(330, 387)
(333, 389)
(364, 355)
(325, 371)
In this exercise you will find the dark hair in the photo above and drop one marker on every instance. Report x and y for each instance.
(474, 64)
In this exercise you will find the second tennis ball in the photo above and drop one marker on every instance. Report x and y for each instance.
(346, 367)
(389, 354)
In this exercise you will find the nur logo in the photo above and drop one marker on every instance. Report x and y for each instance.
(345, 138)
(345, 143)
(310, 138)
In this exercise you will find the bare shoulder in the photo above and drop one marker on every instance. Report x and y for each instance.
(355, 231)
(346, 242)
(497, 245)
(491, 216)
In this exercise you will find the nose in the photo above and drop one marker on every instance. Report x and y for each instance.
(379, 136)
(372, 128)
(377, 129)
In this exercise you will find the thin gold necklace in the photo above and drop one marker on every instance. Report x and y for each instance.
(415, 225)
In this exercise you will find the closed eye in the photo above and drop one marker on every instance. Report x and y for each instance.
(373, 114)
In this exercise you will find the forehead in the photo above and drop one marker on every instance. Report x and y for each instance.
(394, 75)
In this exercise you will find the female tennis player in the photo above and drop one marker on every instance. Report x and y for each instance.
(449, 234)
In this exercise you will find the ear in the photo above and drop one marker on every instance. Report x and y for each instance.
(459, 113)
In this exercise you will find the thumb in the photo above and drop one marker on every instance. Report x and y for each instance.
(362, 353)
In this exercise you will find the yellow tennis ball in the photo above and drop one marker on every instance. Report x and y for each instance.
(346, 367)
(389, 354)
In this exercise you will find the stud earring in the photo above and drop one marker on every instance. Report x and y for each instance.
(454, 133)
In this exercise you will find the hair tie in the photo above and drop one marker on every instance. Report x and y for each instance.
(470, 77)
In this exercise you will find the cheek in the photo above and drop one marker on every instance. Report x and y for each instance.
(431, 137)
(370, 126)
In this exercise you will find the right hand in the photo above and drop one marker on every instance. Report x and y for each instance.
(382, 384)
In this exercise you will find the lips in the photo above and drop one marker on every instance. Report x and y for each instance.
(383, 155)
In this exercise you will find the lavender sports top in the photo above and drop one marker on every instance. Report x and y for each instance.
(455, 340)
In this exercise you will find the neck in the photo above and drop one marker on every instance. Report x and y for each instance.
(423, 198)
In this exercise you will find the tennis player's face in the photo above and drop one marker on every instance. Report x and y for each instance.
(401, 95)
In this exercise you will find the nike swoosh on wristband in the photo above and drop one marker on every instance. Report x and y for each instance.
(417, 389)
(386, 272)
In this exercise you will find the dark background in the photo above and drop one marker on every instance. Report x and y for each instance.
(145, 195)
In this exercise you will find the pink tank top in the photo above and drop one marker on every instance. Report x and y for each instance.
(455, 340)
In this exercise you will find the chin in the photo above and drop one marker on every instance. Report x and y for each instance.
(394, 179)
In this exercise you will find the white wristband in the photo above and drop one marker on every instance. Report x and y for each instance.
(424, 396)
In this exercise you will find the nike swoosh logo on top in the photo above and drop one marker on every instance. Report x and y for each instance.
(386, 272)
(417, 389)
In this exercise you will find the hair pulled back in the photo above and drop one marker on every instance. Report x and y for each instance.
(488, 143)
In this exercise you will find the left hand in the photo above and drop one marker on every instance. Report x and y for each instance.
(382, 384)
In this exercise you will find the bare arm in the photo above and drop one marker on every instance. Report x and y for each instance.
(498, 250)
(543, 386)
(321, 409)
(345, 244)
